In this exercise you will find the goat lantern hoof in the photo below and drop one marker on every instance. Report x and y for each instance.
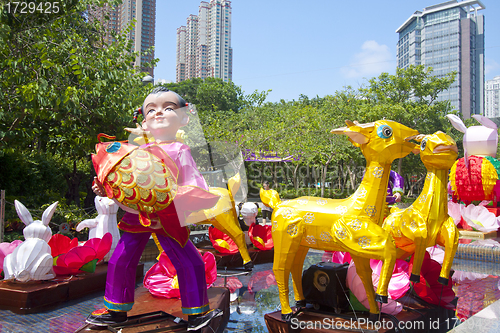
(443, 281)
(301, 303)
(415, 278)
(380, 298)
(287, 317)
(248, 266)
(373, 317)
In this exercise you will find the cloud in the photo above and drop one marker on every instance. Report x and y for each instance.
(371, 61)
(490, 66)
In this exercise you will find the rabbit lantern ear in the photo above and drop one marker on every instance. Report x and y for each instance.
(485, 121)
(23, 213)
(47, 214)
(457, 122)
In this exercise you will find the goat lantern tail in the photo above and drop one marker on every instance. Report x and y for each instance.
(270, 198)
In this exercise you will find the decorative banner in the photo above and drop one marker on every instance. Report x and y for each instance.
(267, 156)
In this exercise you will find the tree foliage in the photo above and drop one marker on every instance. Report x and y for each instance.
(62, 84)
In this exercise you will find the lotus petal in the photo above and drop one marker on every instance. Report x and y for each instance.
(100, 245)
(60, 244)
(400, 280)
(79, 259)
(455, 211)
(261, 280)
(261, 236)
(479, 218)
(79, 256)
(429, 289)
(7, 248)
(340, 257)
(436, 253)
(216, 235)
(356, 287)
(161, 279)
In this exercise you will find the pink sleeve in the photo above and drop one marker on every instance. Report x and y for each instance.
(188, 171)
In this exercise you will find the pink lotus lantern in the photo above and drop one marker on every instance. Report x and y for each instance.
(221, 242)
(161, 279)
(71, 259)
(429, 289)
(261, 236)
(7, 248)
(261, 280)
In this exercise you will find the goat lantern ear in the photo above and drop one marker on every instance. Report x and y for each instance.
(354, 132)
(418, 138)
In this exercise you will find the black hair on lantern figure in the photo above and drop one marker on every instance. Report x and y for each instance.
(158, 90)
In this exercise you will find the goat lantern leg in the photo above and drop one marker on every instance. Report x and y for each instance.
(352, 224)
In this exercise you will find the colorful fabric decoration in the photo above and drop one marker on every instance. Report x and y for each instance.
(224, 216)
(475, 182)
(161, 279)
(261, 236)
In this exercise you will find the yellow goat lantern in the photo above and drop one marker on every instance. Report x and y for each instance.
(352, 224)
(426, 222)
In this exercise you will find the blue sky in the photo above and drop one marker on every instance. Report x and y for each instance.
(313, 48)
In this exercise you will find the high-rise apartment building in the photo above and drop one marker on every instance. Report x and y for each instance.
(492, 98)
(143, 33)
(204, 43)
(448, 37)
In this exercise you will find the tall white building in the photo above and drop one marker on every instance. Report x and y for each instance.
(448, 37)
(204, 43)
(492, 98)
(143, 33)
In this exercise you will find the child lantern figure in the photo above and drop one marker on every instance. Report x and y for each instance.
(164, 113)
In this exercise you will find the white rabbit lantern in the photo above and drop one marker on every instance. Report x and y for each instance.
(478, 140)
(32, 260)
(106, 221)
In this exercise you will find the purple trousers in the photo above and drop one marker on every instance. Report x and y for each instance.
(120, 281)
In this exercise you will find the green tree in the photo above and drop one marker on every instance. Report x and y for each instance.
(62, 84)
(409, 97)
(210, 94)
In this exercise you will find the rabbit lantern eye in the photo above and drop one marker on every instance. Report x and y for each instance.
(384, 131)
(423, 144)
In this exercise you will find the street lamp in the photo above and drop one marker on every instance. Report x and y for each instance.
(145, 81)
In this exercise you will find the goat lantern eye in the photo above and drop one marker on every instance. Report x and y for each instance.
(384, 131)
(423, 144)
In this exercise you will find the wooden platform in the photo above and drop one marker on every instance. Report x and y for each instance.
(416, 318)
(471, 234)
(235, 260)
(147, 303)
(37, 296)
